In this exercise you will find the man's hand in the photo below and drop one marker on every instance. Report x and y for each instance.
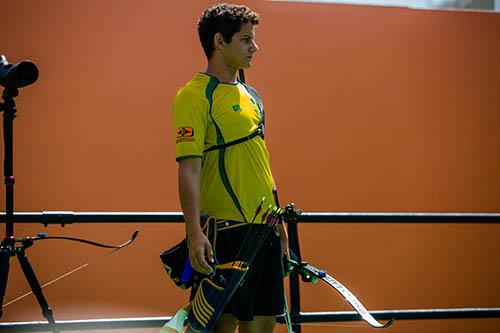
(200, 253)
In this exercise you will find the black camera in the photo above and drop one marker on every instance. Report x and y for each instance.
(19, 75)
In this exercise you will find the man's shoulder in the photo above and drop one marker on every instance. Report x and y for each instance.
(251, 90)
(193, 90)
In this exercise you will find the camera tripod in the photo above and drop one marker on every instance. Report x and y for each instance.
(8, 246)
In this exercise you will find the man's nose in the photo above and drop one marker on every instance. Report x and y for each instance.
(254, 46)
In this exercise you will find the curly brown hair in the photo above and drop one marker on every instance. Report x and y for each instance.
(226, 19)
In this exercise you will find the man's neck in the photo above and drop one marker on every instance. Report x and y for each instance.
(221, 71)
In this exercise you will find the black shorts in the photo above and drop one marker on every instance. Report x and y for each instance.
(261, 293)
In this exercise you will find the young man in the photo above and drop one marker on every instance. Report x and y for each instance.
(224, 167)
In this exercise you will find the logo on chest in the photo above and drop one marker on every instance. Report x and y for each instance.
(236, 108)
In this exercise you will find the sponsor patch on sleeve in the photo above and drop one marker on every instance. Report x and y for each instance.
(185, 134)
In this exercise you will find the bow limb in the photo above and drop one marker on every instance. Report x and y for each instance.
(241, 74)
(310, 273)
(29, 241)
(355, 302)
(81, 240)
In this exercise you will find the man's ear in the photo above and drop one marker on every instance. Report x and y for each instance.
(219, 41)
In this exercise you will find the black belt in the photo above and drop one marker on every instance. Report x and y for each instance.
(228, 224)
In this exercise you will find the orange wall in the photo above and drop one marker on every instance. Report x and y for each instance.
(368, 109)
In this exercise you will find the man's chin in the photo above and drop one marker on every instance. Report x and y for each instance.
(248, 64)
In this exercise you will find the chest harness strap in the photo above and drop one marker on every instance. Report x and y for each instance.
(258, 132)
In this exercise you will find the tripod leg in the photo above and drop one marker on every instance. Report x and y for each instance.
(5, 254)
(37, 290)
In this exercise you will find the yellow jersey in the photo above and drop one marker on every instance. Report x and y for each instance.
(234, 178)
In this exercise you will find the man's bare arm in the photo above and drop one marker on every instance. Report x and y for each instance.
(189, 193)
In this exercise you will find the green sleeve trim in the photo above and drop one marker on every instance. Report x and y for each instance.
(187, 156)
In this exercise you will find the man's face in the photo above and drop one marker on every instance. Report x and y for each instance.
(238, 54)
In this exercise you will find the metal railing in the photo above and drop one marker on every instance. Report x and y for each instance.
(68, 217)
(303, 317)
